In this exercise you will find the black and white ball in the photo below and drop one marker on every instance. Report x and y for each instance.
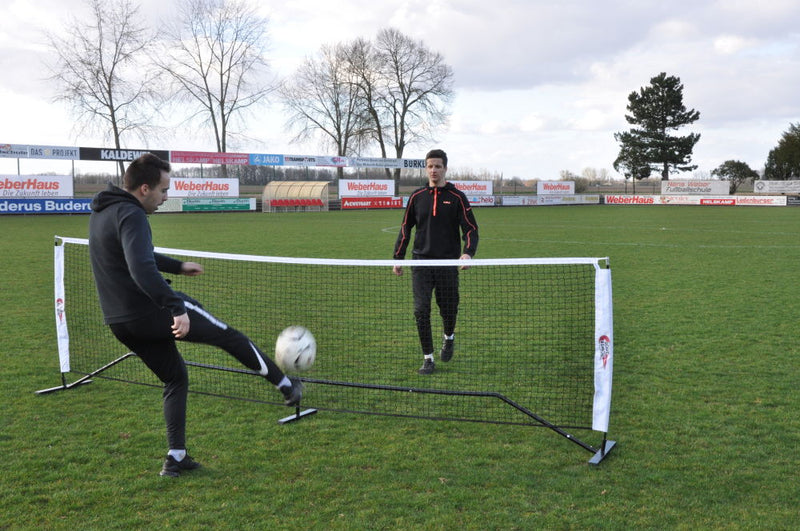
(295, 349)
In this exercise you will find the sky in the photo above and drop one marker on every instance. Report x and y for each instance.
(540, 86)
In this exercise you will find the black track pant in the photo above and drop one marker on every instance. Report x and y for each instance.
(152, 340)
(443, 282)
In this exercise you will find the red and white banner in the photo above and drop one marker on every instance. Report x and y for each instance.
(729, 200)
(724, 200)
(632, 199)
(555, 188)
(371, 202)
(471, 188)
(751, 200)
(36, 186)
(182, 187)
(695, 187)
(205, 157)
(366, 188)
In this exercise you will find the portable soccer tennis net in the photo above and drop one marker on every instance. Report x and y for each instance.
(534, 338)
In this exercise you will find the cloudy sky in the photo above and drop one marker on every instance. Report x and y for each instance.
(541, 86)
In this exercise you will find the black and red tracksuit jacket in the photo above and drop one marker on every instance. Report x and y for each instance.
(438, 214)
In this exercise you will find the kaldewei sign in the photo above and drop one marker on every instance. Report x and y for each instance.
(555, 188)
(181, 187)
(474, 187)
(36, 186)
(127, 155)
(366, 188)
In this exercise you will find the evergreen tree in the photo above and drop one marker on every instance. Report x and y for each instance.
(783, 161)
(735, 172)
(655, 112)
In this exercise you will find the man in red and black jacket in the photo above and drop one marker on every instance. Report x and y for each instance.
(443, 218)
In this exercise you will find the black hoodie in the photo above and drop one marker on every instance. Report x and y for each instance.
(438, 214)
(126, 269)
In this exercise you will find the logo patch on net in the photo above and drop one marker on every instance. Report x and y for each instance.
(60, 309)
(605, 349)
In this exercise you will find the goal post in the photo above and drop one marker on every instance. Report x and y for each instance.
(533, 347)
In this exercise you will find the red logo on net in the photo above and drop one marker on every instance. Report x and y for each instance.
(60, 308)
(605, 349)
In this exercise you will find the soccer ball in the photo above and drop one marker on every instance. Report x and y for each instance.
(295, 349)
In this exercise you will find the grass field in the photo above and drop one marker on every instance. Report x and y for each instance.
(705, 405)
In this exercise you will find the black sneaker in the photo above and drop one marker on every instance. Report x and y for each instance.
(294, 393)
(447, 350)
(427, 366)
(173, 468)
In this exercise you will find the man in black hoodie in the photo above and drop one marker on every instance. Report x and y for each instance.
(438, 211)
(142, 310)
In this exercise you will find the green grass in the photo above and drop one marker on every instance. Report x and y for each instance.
(704, 408)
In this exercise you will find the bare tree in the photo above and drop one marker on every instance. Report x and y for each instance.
(100, 73)
(365, 66)
(215, 54)
(322, 99)
(396, 92)
(416, 87)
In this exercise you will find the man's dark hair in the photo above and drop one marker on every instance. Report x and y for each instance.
(437, 154)
(144, 170)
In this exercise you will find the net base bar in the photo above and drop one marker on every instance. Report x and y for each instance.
(599, 453)
(297, 415)
(603, 450)
(85, 379)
